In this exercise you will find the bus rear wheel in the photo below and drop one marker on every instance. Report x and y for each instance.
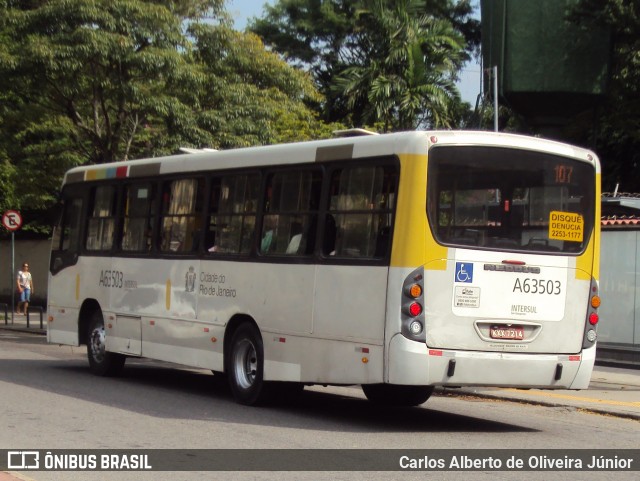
(101, 362)
(246, 366)
(396, 395)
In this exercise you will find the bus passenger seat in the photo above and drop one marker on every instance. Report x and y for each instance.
(294, 244)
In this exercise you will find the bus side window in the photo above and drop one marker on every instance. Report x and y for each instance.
(66, 236)
(139, 215)
(291, 212)
(70, 231)
(101, 222)
(360, 211)
(232, 214)
(182, 207)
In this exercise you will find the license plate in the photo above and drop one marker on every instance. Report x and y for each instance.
(507, 332)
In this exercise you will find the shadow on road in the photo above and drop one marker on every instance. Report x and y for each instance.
(163, 390)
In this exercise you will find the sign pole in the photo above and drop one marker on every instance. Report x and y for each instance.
(13, 271)
(12, 221)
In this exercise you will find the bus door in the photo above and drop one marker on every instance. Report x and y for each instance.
(63, 294)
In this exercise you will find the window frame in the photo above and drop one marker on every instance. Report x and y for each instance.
(206, 179)
(114, 218)
(312, 227)
(196, 240)
(219, 175)
(382, 161)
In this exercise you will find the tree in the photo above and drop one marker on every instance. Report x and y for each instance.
(94, 81)
(100, 64)
(250, 96)
(328, 37)
(618, 120)
(81, 81)
(409, 79)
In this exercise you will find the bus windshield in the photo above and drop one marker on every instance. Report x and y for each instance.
(510, 199)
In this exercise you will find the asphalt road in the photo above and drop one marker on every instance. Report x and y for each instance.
(50, 401)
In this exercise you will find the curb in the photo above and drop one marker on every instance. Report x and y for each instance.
(537, 402)
(28, 330)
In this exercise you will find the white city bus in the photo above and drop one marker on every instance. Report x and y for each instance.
(398, 262)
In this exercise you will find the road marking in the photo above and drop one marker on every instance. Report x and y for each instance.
(576, 398)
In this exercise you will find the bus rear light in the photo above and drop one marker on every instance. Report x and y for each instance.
(590, 334)
(416, 328)
(415, 309)
(435, 352)
(415, 291)
(412, 307)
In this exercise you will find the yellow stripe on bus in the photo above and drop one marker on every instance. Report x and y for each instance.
(589, 261)
(411, 248)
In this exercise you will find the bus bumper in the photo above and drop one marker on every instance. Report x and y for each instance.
(414, 363)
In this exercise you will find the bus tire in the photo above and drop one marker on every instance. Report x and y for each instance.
(101, 362)
(396, 395)
(246, 366)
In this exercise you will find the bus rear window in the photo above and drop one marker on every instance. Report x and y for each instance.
(510, 199)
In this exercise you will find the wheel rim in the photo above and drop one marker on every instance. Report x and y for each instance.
(97, 343)
(245, 363)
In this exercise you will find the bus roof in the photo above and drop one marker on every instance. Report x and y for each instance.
(414, 142)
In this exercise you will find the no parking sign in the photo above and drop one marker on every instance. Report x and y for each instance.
(12, 220)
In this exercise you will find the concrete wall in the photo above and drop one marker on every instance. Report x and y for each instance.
(36, 253)
(619, 326)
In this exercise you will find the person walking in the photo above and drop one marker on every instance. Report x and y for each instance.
(25, 287)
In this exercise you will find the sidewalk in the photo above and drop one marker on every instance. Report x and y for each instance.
(613, 391)
(24, 323)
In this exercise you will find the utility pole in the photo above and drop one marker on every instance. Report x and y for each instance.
(495, 98)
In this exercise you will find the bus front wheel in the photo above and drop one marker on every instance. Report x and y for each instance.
(101, 362)
(397, 395)
(246, 366)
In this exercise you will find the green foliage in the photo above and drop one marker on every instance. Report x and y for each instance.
(618, 119)
(93, 81)
(377, 60)
(251, 96)
(7, 184)
(409, 82)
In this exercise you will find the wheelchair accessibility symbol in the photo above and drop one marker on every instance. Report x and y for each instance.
(464, 272)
